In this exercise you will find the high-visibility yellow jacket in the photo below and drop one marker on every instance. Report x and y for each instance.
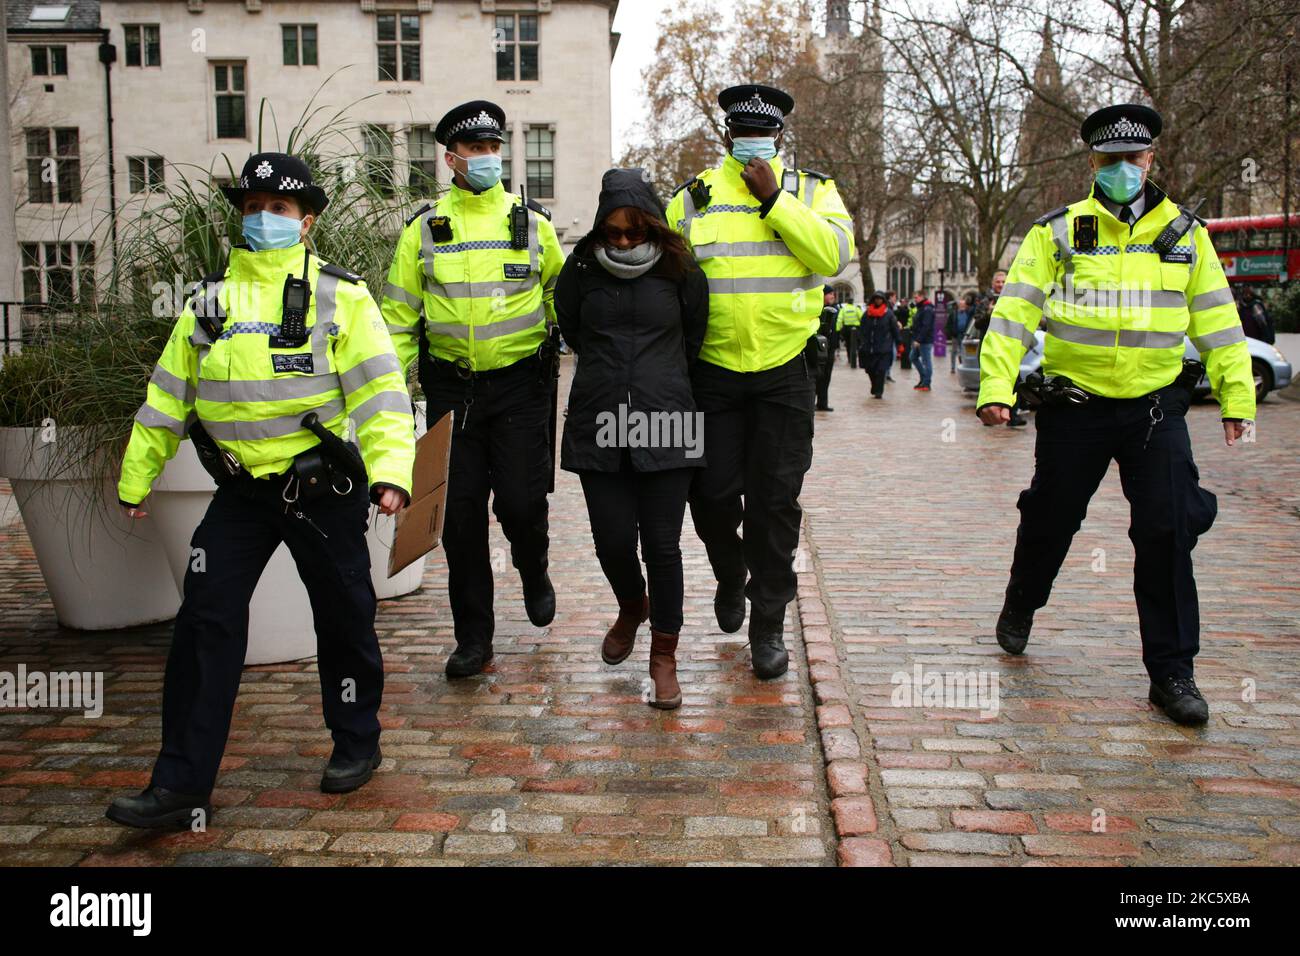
(850, 315)
(1117, 313)
(251, 397)
(765, 271)
(480, 299)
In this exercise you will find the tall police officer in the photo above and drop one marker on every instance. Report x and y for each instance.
(273, 338)
(470, 292)
(765, 236)
(1122, 276)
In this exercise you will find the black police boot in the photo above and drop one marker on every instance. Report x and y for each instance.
(344, 776)
(1180, 699)
(1013, 629)
(159, 807)
(539, 600)
(729, 605)
(767, 653)
(468, 660)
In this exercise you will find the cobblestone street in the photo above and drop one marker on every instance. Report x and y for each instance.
(553, 757)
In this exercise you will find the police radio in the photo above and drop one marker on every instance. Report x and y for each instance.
(294, 303)
(519, 221)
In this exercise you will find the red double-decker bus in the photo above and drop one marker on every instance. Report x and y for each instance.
(1251, 248)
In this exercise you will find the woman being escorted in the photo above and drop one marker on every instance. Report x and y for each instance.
(634, 306)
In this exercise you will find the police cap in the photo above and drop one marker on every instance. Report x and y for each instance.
(471, 121)
(1124, 128)
(755, 106)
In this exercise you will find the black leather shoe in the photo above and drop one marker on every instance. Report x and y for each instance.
(344, 776)
(1180, 699)
(729, 606)
(1013, 629)
(767, 654)
(159, 807)
(468, 661)
(539, 600)
(824, 408)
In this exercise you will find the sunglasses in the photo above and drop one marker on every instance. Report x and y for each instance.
(634, 235)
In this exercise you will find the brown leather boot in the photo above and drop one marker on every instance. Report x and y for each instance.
(620, 638)
(663, 670)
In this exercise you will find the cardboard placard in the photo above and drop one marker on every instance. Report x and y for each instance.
(419, 524)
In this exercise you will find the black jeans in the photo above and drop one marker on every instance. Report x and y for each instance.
(758, 430)
(626, 504)
(500, 444)
(243, 526)
(1168, 511)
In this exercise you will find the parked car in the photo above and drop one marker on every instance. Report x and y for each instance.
(1271, 368)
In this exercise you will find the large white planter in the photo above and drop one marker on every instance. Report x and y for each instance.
(102, 569)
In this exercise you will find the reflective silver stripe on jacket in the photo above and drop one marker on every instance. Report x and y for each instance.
(267, 390)
(689, 213)
(842, 236)
(1013, 330)
(1121, 299)
(1110, 338)
(269, 427)
(326, 306)
(785, 284)
(457, 330)
(365, 372)
(398, 294)
(150, 417)
(775, 247)
(1217, 340)
(390, 401)
(1208, 300)
(1024, 290)
(173, 385)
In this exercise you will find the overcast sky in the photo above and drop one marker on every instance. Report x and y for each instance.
(637, 21)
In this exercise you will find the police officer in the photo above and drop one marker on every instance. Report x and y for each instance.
(1122, 275)
(850, 321)
(470, 293)
(275, 337)
(765, 236)
(829, 329)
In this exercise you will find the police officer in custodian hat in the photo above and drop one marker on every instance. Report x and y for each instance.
(1122, 276)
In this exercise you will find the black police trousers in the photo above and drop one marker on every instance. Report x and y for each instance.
(758, 431)
(1168, 511)
(241, 530)
(850, 337)
(500, 444)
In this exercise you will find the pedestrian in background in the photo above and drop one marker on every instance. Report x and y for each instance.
(634, 306)
(880, 338)
(923, 341)
(828, 329)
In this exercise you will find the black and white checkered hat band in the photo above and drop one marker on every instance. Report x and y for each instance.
(1122, 129)
(288, 182)
(755, 105)
(484, 120)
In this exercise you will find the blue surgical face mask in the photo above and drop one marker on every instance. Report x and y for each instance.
(745, 148)
(266, 230)
(1120, 181)
(482, 172)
